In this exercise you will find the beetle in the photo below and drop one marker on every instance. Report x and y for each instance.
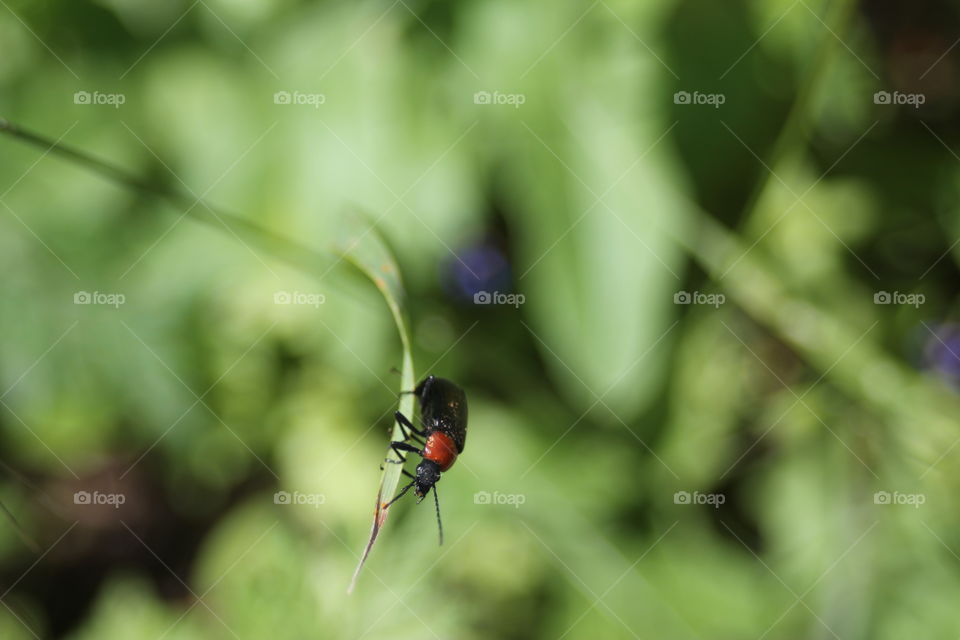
(443, 415)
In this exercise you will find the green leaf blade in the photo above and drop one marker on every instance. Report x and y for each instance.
(359, 244)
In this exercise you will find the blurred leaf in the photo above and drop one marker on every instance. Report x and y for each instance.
(128, 608)
(593, 204)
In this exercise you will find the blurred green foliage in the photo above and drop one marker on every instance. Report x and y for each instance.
(601, 410)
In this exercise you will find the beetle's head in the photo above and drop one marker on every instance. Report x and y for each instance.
(428, 472)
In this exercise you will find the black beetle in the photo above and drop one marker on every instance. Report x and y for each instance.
(443, 414)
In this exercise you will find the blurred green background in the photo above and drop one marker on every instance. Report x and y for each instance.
(722, 403)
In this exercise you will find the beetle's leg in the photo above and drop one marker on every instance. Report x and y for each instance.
(399, 446)
(406, 425)
(403, 471)
(416, 439)
(400, 495)
(402, 460)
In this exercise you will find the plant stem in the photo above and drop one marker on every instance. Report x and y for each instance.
(793, 127)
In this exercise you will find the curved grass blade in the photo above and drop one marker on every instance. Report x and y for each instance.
(356, 243)
(279, 246)
(360, 245)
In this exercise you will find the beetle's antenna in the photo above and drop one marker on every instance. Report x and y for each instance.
(400, 495)
(436, 501)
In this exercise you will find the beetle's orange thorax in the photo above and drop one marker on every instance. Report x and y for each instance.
(440, 449)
